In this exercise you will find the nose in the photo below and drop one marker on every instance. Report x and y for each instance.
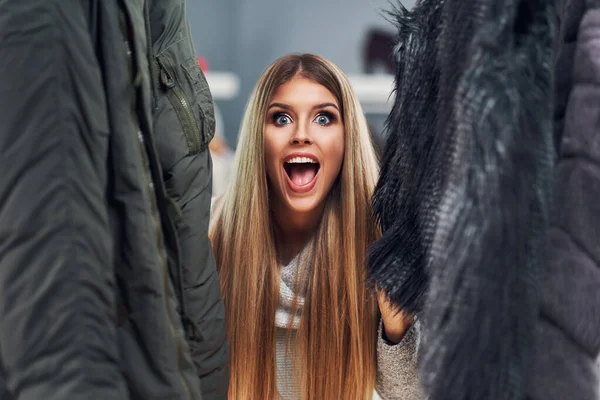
(300, 136)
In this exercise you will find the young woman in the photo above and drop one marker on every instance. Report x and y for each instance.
(290, 237)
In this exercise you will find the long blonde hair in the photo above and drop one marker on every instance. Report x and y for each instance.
(337, 332)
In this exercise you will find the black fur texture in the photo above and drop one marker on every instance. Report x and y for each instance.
(397, 260)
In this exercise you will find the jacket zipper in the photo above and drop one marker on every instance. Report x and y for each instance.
(164, 264)
(128, 39)
(193, 137)
(189, 122)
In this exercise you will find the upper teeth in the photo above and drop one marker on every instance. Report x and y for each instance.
(301, 160)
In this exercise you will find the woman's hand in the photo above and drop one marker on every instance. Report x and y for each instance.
(395, 321)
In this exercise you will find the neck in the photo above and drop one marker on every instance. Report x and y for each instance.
(294, 231)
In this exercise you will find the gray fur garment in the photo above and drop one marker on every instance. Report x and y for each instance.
(465, 190)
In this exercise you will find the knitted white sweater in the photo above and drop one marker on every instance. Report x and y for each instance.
(397, 377)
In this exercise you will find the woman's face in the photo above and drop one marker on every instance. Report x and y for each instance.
(304, 146)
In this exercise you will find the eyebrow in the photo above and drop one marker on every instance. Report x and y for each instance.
(288, 107)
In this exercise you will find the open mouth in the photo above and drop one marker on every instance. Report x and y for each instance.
(301, 171)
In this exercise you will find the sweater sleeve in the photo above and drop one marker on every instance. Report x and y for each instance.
(397, 367)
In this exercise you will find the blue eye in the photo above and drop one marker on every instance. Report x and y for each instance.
(281, 119)
(324, 119)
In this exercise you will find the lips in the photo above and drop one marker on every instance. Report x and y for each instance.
(302, 171)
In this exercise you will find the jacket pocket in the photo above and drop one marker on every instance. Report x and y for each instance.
(203, 97)
(190, 97)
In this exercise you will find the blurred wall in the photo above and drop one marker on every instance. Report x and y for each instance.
(244, 36)
(214, 30)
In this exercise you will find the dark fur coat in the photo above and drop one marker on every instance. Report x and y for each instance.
(464, 193)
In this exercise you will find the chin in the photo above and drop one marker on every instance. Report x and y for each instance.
(303, 206)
